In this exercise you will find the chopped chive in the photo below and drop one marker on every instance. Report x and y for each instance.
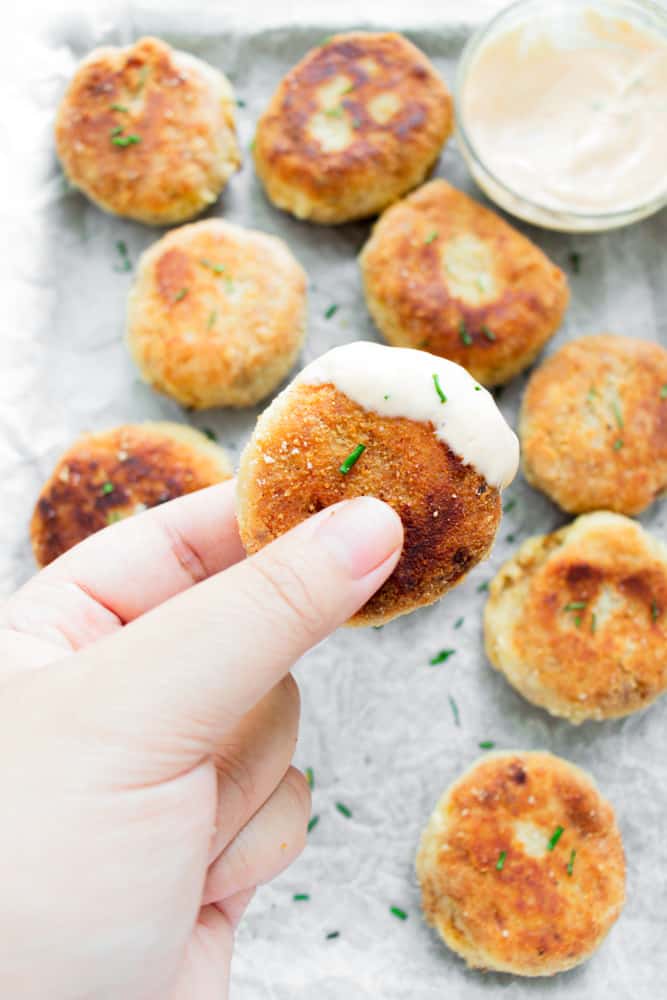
(143, 76)
(310, 777)
(116, 130)
(577, 621)
(312, 823)
(107, 488)
(433, 235)
(618, 444)
(663, 392)
(333, 934)
(377, 628)
(118, 107)
(211, 435)
(113, 516)
(125, 264)
(300, 897)
(591, 394)
(352, 458)
(347, 90)
(441, 657)
(478, 388)
(398, 912)
(511, 539)
(180, 294)
(387, 396)
(212, 316)
(555, 837)
(240, 103)
(500, 863)
(252, 145)
(486, 745)
(458, 623)
(343, 810)
(575, 606)
(438, 388)
(466, 339)
(510, 505)
(125, 140)
(655, 611)
(334, 112)
(489, 334)
(455, 710)
(570, 864)
(483, 586)
(211, 265)
(594, 622)
(331, 311)
(575, 261)
(617, 414)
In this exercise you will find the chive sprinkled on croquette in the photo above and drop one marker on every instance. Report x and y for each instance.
(180, 294)
(125, 140)
(555, 837)
(212, 316)
(570, 864)
(575, 606)
(663, 392)
(465, 337)
(312, 823)
(118, 107)
(655, 611)
(500, 863)
(438, 388)
(618, 444)
(489, 334)
(352, 458)
(107, 488)
(211, 265)
(433, 235)
(618, 416)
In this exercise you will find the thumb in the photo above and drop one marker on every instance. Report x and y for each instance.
(177, 680)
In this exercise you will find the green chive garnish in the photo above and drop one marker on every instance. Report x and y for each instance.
(510, 539)
(312, 823)
(118, 107)
(113, 516)
(575, 261)
(387, 396)
(333, 112)
(577, 621)
(570, 864)
(555, 837)
(333, 934)
(594, 622)
(211, 265)
(489, 334)
(125, 140)
(510, 505)
(466, 339)
(240, 103)
(591, 394)
(343, 810)
(575, 606)
(441, 657)
(500, 863)
(125, 265)
(482, 587)
(433, 235)
(107, 488)
(655, 611)
(663, 392)
(211, 435)
(310, 777)
(478, 388)
(180, 294)
(213, 315)
(617, 414)
(438, 389)
(618, 444)
(300, 897)
(458, 623)
(116, 131)
(455, 710)
(352, 458)
(253, 143)
(331, 311)
(398, 912)
(486, 745)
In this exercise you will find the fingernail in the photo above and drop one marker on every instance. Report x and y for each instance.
(361, 534)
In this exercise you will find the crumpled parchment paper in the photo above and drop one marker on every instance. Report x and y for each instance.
(377, 724)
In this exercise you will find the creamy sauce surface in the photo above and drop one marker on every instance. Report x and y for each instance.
(572, 112)
(398, 382)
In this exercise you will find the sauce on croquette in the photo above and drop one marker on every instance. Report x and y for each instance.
(400, 382)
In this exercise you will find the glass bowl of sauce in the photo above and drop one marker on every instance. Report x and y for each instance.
(561, 109)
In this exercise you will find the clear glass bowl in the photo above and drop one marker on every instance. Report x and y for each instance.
(640, 13)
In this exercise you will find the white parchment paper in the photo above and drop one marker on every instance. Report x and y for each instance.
(377, 726)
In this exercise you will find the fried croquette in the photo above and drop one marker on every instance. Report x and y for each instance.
(357, 123)
(148, 132)
(217, 314)
(410, 429)
(521, 865)
(593, 425)
(446, 275)
(105, 477)
(577, 620)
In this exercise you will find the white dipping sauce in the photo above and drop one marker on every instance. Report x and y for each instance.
(572, 113)
(398, 382)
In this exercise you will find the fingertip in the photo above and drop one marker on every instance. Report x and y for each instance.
(362, 534)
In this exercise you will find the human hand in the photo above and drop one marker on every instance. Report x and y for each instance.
(147, 723)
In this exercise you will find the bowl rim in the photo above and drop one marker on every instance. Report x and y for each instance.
(470, 50)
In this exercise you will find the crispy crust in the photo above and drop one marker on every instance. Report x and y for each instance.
(589, 395)
(439, 266)
(390, 114)
(234, 334)
(290, 470)
(604, 660)
(531, 918)
(147, 464)
(182, 110)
